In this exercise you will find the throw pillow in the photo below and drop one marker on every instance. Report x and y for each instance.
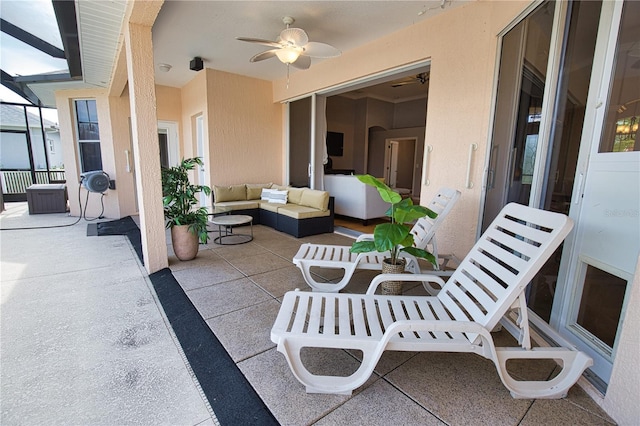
(278, 196)
(254, 191)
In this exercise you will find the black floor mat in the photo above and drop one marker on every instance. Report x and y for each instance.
(231, 396)
(125, 226)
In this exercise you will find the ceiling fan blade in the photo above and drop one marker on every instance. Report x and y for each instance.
(302, 63)
(320, 50)
(263, 55)
(403, 83)
(295, 36)
(260, 41)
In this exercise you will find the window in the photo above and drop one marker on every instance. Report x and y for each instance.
(52, 147)
(88, 135)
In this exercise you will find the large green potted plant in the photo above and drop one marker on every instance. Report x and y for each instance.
(187, 222)
(394, 236)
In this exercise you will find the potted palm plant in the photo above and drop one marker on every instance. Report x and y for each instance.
(188, 223)
(394, 236)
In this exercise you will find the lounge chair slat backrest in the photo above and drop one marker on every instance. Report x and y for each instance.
(502, 263)
(424, 229)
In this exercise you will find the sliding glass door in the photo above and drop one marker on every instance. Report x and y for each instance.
(565, 139)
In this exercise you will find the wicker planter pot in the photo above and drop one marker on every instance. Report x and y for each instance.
(392, 287)
(185, 243)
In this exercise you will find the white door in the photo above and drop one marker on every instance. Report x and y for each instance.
(606, 199)
(392, 166)
(200, 153)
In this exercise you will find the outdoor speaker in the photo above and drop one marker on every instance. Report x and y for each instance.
(196, 64)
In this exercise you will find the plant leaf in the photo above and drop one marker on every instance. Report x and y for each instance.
(423, 254)
(387, 194)
(363, 247)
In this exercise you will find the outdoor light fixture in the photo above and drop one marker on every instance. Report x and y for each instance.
(164, 67)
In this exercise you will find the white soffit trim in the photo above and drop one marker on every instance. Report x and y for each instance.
(99, 30)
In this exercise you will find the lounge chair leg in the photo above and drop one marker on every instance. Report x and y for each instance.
(573, 365)
(329, 384)
(326, 287)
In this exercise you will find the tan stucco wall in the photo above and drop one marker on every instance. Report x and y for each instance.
(125, 184)
(461, 45)
(245, 130)
(194, 103)
(68, 135)
(169, 103)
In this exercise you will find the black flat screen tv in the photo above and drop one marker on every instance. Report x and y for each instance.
(335, 144)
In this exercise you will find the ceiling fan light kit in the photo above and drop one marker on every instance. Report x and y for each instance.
(289, 54)
(292, 47)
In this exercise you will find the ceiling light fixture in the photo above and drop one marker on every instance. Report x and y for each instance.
(164, 67)
(289, 54)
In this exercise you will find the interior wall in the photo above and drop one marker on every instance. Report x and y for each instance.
(347, 115)
(341, 118)
(377, 151)
(410, 113)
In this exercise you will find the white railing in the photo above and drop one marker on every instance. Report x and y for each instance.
(17, 181)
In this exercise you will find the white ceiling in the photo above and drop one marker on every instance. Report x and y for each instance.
(185, 29)
(208, 29)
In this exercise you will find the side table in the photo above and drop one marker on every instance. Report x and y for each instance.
(225, 229)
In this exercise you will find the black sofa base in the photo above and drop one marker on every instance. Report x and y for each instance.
(295, 227)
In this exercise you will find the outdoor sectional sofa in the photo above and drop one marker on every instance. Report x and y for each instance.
(297, 211)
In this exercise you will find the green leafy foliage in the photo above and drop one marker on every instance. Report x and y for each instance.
(394, 237)
(180, 198)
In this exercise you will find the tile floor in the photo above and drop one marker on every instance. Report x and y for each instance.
(238, 289)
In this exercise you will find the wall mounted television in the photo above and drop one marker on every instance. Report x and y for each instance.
(335, 144)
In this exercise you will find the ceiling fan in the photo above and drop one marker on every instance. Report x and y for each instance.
(421, 78)
(292, 47)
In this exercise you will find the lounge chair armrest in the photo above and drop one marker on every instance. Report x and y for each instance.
(365, 237)
(403, 277)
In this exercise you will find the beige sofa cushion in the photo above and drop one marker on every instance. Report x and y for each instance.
(272, 207)
(254, 190)
(297, 211)
(239, 205)
(295, 195)
(314, 198)
(229, 193)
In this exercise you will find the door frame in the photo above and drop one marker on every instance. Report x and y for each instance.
(173, 142)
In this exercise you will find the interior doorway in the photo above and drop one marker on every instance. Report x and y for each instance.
(400, 165)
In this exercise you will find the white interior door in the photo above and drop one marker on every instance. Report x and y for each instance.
(392, 167)
(606, 199)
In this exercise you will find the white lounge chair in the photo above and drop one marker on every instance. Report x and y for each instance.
(339, 257)
(489, 283)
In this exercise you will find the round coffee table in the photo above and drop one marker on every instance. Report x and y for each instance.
(226, 236)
